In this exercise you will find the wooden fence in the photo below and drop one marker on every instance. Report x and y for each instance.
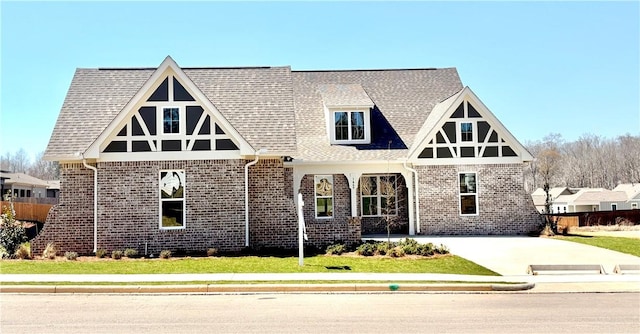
(29, 211)
(595, 218)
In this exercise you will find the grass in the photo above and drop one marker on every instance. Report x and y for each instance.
(251, 282)
(450, 264)
(619, 244)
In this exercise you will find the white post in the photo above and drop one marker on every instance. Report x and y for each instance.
(301, 234)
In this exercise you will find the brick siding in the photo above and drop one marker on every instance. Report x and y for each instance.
(504, 206)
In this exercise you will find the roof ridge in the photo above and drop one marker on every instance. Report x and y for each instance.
(380, 69)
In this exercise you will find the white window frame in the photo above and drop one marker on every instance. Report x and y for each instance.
(614, 206)
(476, 194)
(473, 132)
(180, 120)
(162, 200)
(634, 206)
(379, 196)
(316, 180)
(367, 126)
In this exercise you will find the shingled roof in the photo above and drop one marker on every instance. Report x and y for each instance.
(257, 101)
(402, 98)
(270, 107)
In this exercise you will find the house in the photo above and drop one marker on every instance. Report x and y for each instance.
(630, 200)
(20, 186)
(587, 200)
(539, 196)
(190, 158)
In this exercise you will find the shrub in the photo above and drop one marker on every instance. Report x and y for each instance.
(366, 249)
(383, 248)
(409, 246)
(100, 253)
(336, 249)
(130, 253)
(116, 254)
(165, 254)
(12, 233)
(71, 256)
(397, 251)
(442, 249)
(24, 251)
(425, 249)
(212, 251)
(50, 251)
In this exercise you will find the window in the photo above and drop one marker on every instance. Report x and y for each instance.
(172, 184)
(349, 126)
(324, 196)
(634, 206)
(466, 131)
(171, 120)
(378, 195)
(614, 207)
(468, 194)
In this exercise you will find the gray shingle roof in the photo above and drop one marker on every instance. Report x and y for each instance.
(403, 100)
(271, 107)
(256, 101)
(344, 95)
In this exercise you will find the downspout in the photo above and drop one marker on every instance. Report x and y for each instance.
(416, 194)
(95, 203)
(246, 195)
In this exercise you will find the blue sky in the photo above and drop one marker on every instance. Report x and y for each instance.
(541, 67)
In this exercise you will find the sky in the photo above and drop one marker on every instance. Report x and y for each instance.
(541, 67)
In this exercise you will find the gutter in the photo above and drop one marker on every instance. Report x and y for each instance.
(246, 195)
(416, 194)
(95, 203)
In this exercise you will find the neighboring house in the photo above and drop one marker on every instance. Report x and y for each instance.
(191, 158)
(19, 185)
(587, 200)
(630, 201)
(539, 196)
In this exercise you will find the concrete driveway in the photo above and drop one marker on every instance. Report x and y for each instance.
(512, 255)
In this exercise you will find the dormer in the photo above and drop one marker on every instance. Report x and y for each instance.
(347, 110)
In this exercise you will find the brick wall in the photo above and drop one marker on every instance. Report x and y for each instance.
(128, 208)
(70, 223)
(272, 211)
(322, 232)
(504, 206)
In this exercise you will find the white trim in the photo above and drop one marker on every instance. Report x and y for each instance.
(183, 200)
(476, 194)
(332, 127)
(467, 161)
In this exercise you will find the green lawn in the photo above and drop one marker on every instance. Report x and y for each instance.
(249, 264)
(623, 245)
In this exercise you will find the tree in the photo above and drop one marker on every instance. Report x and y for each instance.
(548, 164)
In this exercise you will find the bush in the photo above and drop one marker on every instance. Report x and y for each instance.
(425, 249)
(100, 253)
(366, 249)
(12, 233)
(130, 253)
(71, 256)
(116, 254)
(24, 251)
(397, 251)
(212, 251)
(383, 248)
(410, 246)
(165, 254)
(442, 249)
(51, 251)
(336, 249)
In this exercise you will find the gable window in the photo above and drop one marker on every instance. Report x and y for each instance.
(172, 212)
(323, 185)
(171, 120)
(468, 194)
(634, 206)
(614, 207)
(378, 195)
(350, 126)
(466, 131)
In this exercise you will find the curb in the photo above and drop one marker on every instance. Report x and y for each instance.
(262, 288)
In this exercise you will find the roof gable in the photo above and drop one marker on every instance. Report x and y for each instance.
(463, 129)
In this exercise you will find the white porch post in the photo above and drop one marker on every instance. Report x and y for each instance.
(408, 179)
(353, 179)
(297, 180)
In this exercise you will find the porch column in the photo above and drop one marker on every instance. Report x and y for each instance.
(408, 179)
(297, 180)
(353, 179)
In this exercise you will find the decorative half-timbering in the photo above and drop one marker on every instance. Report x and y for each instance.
(170, 120)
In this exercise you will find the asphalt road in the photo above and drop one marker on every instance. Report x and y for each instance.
(322, 313)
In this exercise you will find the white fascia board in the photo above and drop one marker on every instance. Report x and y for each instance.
(341, 168)
(170, 156)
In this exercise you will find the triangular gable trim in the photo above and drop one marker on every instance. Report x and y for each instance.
(442, 113)
(168, 65)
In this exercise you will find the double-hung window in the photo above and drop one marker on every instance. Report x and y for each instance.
(468, 194)
(323, 185)
(172, 206)
(349, 126)
(171, 120)
(378, 195)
